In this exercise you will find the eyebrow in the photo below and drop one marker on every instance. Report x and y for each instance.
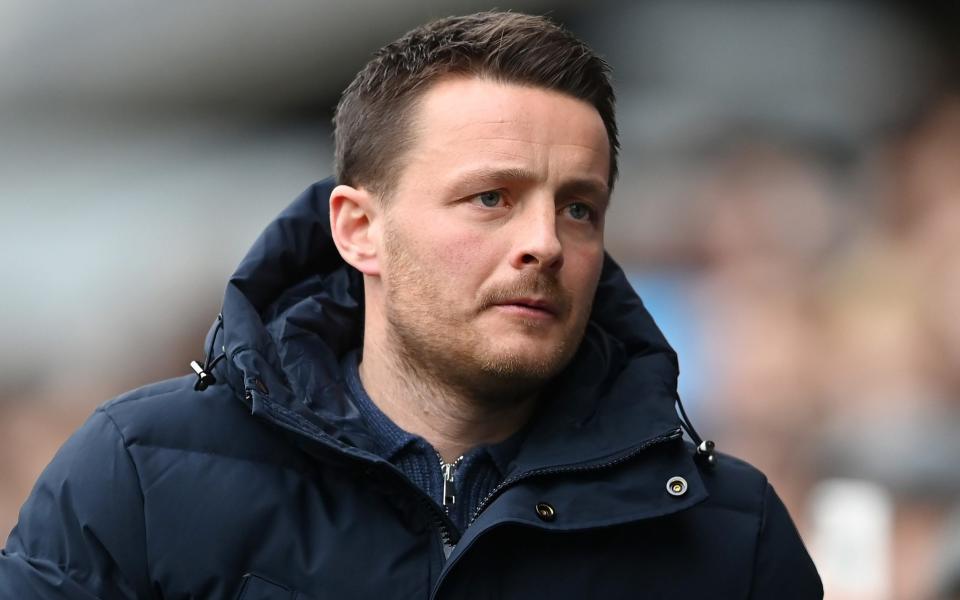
(490, 176)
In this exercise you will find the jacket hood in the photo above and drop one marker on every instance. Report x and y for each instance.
(293, 308)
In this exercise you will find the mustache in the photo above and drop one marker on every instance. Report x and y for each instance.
(529, 285)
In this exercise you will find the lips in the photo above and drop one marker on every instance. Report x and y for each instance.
(541, 305)
(531, 296)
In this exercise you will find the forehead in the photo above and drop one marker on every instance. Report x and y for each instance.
(462, 121)
(465, 101)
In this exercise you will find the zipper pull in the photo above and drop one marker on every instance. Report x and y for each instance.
(449, 472)
(449, 492)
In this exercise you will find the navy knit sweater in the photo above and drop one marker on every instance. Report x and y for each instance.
(477, 473)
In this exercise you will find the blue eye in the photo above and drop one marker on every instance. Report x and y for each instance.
(580, 211)
(490, 199)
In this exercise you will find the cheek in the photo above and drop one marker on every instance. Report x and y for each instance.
(462, 264)
(584, 270)
(455, 254)
(453, 259)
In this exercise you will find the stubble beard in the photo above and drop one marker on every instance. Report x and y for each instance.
(435, 346)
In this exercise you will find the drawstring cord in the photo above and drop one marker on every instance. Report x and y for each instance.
(705, 448)
(205, 377)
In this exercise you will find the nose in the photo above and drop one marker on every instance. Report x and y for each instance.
(538, 245)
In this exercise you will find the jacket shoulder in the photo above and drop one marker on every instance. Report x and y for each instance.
(176, 393)
(740, 493)
(734, 484)
(171, 415)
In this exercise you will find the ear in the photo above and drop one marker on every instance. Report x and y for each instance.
(355, 227)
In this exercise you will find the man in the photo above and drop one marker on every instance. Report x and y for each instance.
(428, 381)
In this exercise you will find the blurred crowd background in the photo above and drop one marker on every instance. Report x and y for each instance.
(789, 209)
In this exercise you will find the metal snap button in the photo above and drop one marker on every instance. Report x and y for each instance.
(546, 512)
(677, 486)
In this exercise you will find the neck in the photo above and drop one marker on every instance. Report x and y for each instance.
(452, 419)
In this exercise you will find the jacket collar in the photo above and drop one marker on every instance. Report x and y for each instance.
(294, 307)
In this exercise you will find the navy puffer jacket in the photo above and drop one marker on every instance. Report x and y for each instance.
(264, 485)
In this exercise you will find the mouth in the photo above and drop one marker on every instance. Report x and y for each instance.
(530, 307)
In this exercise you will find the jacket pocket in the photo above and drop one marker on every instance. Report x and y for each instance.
(255, 587)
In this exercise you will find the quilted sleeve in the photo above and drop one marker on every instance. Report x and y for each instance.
(81, 534)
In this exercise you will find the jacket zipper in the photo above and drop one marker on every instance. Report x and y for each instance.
(672, 435)
(448, 473)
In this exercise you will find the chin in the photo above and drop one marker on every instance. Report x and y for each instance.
(535, 362)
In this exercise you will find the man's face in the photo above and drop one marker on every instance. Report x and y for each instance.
(493, 237)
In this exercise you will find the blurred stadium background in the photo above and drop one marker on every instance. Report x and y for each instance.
(789, 209)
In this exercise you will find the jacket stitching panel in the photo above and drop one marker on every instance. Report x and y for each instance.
(136, 470)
